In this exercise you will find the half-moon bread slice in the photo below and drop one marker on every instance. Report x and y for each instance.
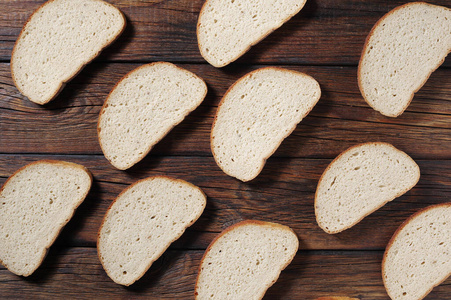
(361, 180)
(256, 114)
(58, 40)
(228, 29)
(143, 107)
(401, 52)
(418, 257)
(35, 204)
(245, 260)
(142, 222)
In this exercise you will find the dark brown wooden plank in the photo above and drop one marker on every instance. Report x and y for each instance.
(324, 32)
(283, 193)
(77, 273)
(340, 120)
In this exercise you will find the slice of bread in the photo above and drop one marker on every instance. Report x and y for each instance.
(418, 257)
(36, 202)
(142, 222)
(256, 114)
(401, 52)
(143, 107)
(245, 260)
(361, 180)
(57, 41)
(228, 29)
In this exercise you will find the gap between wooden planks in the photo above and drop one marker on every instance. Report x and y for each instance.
(287, 197)
(327, 32)
(340, 119)
(76, 273)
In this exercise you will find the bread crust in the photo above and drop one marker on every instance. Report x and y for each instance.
(63, 83)
(56, 162)
(359, 76)
(395, 235)
(289, 132)
(202, 11)
(329, 167)
(144, 153)
(176, 238)
(233, 227)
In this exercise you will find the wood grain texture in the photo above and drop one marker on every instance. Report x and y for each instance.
(324, 32)
(324, 40)
(77, 273)
(340, 119)
(283, 193)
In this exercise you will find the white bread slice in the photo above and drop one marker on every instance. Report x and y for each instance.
(245, 260)
(143, 107)
(400, 53)
(142, 222)
(256, 114)
(228, 29)
(57, 41)
(361, 180)
(36, 202)
(418, 257)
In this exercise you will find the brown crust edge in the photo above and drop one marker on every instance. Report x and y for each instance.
(202, 11)
(244, 223)
(359, 77)
(176, 238)
(58, 162)
(395, 235)
(145, 153)
(338, 157)
(63, 83)
(289, 131)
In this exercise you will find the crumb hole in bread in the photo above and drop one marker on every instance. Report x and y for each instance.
(333, 181)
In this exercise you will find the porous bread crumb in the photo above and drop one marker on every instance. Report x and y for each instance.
(143, 107)
(401, 52)
(245, 260)
(256, 114)
(58, 40)
(418, 257)
(36, 202)
(361, 180)
(227, 29)
(142, 222)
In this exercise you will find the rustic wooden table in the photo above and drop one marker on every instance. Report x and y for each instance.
(323, 40)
